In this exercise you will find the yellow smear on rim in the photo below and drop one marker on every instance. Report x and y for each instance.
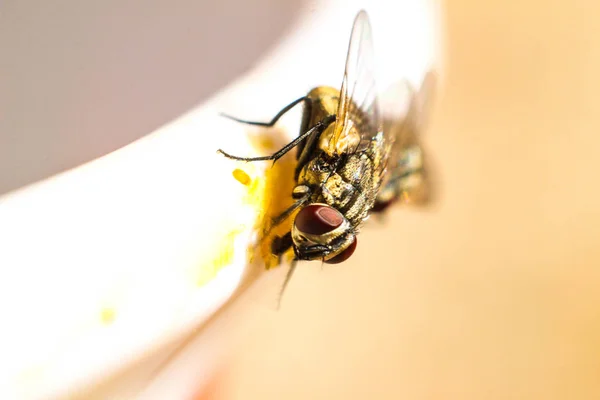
(267, 193)
(107, 315)
(264, 143)
(222, 258)
(276, 188)
(252, 177)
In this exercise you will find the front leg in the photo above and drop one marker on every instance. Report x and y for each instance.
(302, 195)
(280, 245)
(307, 100)
(280, 153)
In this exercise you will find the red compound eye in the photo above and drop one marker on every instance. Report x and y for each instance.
(344, 255)
(317, 219)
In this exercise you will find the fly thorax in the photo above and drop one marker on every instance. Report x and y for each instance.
(316, 171)
(337, 192)
(339, 139)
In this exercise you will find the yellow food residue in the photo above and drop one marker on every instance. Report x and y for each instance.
(268, 189)
(276, 196)
(224, 256)
(107, 315)
(242, 177)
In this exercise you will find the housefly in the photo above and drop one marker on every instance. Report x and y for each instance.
(342, 154)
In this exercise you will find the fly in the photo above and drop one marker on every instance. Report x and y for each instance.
(341, 153)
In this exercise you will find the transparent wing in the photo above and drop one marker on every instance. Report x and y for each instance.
(424, 100)
(358, 108)
(405, 112)
(399, 111)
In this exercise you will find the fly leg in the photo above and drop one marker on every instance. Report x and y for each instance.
(273, 121)
(275, 118)
(288, 211)
(288, 276)
(277, 248)
(280, 153)
(280, 245)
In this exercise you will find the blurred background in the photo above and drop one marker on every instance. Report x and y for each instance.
(490, 293)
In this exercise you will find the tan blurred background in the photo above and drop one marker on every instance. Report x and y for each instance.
(492, 294)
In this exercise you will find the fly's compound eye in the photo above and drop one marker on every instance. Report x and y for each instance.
(317, 219)
(325, 223)
(344, 255)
